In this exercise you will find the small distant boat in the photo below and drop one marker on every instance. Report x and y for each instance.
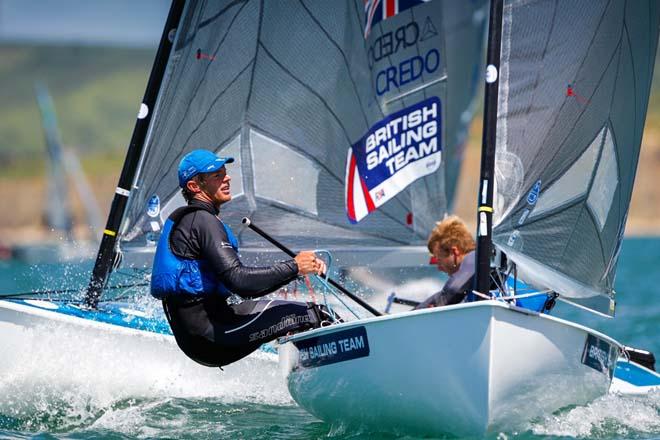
(5, 252)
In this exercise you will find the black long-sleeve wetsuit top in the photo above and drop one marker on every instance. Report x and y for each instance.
(199, 236)
(457, 286)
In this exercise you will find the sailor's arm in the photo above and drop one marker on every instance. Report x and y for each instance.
(253, 282)
(246, 281)
(443, 298)
(453, 292)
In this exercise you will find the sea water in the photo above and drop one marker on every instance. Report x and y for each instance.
(50, 391)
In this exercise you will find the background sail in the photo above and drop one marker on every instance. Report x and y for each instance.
(574, 88)
(63, 163)
(286, 88)
(58, 210)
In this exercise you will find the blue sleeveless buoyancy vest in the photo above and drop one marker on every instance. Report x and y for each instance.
(173, 275)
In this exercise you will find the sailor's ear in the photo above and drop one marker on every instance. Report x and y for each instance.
(455, 251)
(193, 186)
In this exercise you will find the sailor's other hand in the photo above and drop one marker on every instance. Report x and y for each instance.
(308, 263)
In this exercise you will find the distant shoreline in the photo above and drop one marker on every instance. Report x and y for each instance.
(10, 237)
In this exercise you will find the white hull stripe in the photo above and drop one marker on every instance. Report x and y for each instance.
(252, 320)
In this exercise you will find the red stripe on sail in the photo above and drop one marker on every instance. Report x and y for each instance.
(367, 196)
(350, 206)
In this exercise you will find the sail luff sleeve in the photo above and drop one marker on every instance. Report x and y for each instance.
(485, 196)
(105, 257)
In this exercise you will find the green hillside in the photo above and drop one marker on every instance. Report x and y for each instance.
(96, 91)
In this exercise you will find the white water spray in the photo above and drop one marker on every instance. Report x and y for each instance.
(73, 374)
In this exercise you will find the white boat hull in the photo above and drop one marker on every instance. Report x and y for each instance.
(464, 370)
(131, 354)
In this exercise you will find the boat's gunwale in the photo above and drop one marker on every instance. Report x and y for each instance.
(68, 318)
(412, 313)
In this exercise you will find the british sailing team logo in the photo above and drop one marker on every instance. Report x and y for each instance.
(393, 153)
(378, 10)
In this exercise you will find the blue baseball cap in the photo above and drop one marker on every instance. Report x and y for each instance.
(200, 161)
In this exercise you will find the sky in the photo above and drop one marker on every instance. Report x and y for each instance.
(90, 22)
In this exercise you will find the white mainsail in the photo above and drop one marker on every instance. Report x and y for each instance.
(574, 90)
(288, 90)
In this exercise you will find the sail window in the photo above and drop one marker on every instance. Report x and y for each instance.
(605, 183)
(509, 177)
(573, 184)
(235, 170)
(283, 175)
(176, 201)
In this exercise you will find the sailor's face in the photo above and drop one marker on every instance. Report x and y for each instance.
(445, 261)
(216, 185)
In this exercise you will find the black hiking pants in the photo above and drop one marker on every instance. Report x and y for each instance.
(214, 333)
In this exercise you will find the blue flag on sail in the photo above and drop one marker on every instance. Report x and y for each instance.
(394, 153)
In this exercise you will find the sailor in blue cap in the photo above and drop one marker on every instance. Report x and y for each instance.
(196, 269)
